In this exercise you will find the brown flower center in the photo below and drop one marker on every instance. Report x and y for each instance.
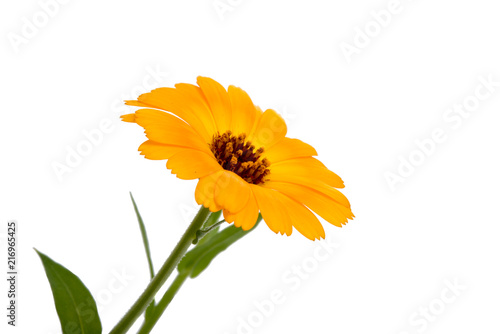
(237, 155)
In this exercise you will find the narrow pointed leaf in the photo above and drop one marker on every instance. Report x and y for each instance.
(75, 305)
(145, 241)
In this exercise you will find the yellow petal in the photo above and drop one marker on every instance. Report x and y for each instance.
(218, 100)
(327, 207)
(312, 183)
(157, 151)
(228, 216)
(135, 103)
(197, 105)
(276, 207)
(243, 111)
(130, 118)
(304, 220)
(273, 209)
(309, 167)
(167, 129)
(205, 190)
(186, 102)
(231, 192)
(271, 128)
(192, 164)
(258, 115)
(289, 148)
(247, 217)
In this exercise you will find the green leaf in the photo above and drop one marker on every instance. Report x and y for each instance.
(199, 258)
(144, 238)
(75, 305)
(145, 241)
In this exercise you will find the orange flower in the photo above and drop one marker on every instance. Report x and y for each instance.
(241, 156)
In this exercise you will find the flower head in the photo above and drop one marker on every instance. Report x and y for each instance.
(241, 156)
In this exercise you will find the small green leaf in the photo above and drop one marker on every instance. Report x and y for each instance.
(145, 241)
(198, 258)
(144, 238)
(75, 305)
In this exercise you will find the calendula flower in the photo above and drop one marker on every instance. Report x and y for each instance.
(241, 156)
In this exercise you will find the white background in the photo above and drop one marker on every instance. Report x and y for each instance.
(393, 260)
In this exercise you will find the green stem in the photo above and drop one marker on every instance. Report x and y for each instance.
(156, 283)
(148, 325)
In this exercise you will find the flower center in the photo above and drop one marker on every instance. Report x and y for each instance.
(239, 156)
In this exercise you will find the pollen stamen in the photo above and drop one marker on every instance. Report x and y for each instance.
(236, 154)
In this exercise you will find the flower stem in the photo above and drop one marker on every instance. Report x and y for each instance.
(168, 267)
(148, 325)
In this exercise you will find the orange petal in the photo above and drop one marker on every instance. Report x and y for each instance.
(271, 128)
(280, 208)
(312, 183)
(243, 111)
(304, 220)
(167, 129)
(289, 148)
(273, 210)
(186, 102)
(308, 167)
(218, 100)
(135, 103)
(327, 207)
(258, 115)
(205, 190)
(247, 217)
(228, 216)
(192, 164)
(198, 106)
(231, 192)
(157, 151)
(130, 118)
